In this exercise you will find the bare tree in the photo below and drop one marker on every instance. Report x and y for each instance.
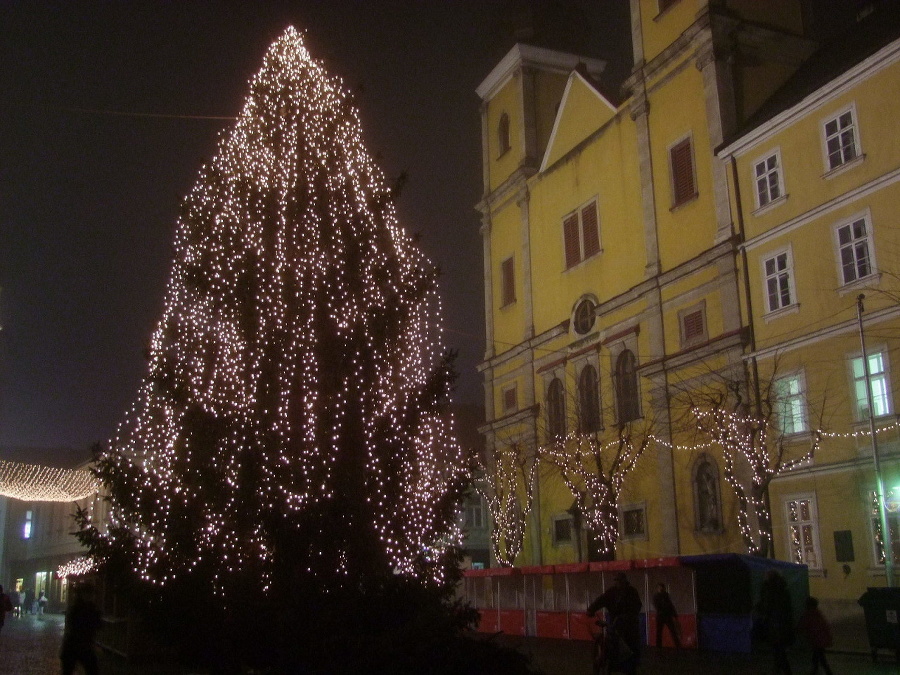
(506, 481)
(756, 441)
(594, 466)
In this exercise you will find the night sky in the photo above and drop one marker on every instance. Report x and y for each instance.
(108, 111)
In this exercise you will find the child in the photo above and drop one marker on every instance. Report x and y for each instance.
(817, 631)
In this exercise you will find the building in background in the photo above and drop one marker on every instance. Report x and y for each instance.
(42, 490)
(634, 408)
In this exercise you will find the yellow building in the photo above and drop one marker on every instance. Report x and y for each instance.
(673, 361)
(815, 186)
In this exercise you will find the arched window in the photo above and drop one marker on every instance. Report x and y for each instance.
(707, 503)
(588, 401)
(627, 401)
(556, 410)
(503, 133)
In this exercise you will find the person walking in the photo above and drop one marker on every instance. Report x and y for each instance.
(83, 620)
(814, 626)
(29, 601)
(666, 616)
(622, 602)
(42, 603)
(15, 599)
(775, 619)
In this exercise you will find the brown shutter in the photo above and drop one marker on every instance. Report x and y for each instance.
(570, 235)
(510, 400)
(682, 172)
(508, 281)
(693, 325)
(590, 230)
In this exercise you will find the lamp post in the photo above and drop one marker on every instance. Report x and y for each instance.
(879, 481)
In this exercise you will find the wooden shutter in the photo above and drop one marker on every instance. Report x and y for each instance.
(682, 161)
(570, 236)
(590, 230)
(693, 325)
(508, 281)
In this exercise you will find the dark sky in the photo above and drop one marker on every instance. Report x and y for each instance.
(100, 140)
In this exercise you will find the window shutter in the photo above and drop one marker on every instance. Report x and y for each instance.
(510, 400)
(682, 172)
(693, 325)
(590, 230)
(508, 278)
(570, 235)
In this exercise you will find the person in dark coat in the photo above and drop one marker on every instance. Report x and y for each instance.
(776, 616)
(666, 616)
(83, 620)
(622, 602)
(815, 628)
(5, 606)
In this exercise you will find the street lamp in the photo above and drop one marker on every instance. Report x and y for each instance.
(879, 481)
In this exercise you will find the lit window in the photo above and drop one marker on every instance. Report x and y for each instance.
(474, 513)
(681, 162)
(27, 528)
(841, 143)
(880, 386)
(507, 282)
(581, 234)
(779, 283)
(893, 519)
(854, 251)
(790, 408)
(803, 532)
(767, 174)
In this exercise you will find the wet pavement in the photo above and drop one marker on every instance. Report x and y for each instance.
(30, 646)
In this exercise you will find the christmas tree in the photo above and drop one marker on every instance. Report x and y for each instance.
(290, 432)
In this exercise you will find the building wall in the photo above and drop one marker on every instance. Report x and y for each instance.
(815, 334)
(659, 262)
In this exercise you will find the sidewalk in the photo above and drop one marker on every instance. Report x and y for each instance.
(30, 646)
(570, 657)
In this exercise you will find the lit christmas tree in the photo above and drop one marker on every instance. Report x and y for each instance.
(290, 432)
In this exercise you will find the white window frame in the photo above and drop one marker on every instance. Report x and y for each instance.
(857, 146)
(797, 401)
(799, 553)
(866, 217)
(881, 383)
(636, 506)
(778, 171)
(788, 271)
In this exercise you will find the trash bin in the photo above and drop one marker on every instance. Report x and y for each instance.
(881, 607)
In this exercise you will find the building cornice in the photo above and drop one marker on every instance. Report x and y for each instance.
(522, 55)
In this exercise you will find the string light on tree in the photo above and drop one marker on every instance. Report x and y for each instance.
(291, 415)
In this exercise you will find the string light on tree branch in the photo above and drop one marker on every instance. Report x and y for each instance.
(289, 415)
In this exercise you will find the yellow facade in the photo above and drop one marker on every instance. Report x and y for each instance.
(825, 236)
